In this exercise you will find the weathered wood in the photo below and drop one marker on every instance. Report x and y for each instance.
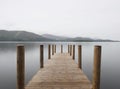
(60, 73)
(49, 51)
(41, 56)
(80, 56)
(55, 49)
(73, 52)
(97, 67)
(61, 48)
(52, 49)
(70, 50)
(20, 67)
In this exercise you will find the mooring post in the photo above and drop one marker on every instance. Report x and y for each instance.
(52, 49)
(41, 56)
(97, 67)
(20, 67)
(49, 51)
(80, 56)
(73, 52)
(61, 48)
(70, 50)
(55, 48)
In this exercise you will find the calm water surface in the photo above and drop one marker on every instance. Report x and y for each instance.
(110, 68)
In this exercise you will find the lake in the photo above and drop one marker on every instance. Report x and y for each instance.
(110, 64)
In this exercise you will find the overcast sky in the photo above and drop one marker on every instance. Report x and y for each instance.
(87, 18)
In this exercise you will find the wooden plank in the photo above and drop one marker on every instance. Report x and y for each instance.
(60, 73)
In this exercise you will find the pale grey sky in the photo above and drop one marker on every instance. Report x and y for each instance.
(87, 18)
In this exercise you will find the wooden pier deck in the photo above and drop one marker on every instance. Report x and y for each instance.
(60, 72)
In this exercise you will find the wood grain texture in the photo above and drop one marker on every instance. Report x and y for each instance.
(80, 56)
(97, 67)
(70, 50)
(49, 51)
(61, 48)
(20, 67)
(52, 49)
(41, 56)
(60, 73)
(73, 52)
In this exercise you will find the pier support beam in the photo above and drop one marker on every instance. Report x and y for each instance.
(41, 56)
(55, 48)
(73, 52)
(52, 49)
(61, 48)
(80, 56)
(68, 48)
(97, 67)
(20, 67)
(49, 51)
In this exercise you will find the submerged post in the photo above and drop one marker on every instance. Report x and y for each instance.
(73, 52)
(97, 67)
(20, 67)
(49, 51)
(80, 56)
(61, 48)
(41, 56)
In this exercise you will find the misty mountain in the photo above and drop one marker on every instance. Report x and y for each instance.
(20, 36)
(29, 36)
(54, 37)
(86, 39)
(76, 39)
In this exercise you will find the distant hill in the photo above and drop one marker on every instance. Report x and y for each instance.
(20, 36)
(76, 39)
(54, 37)
(86, 39)
(29, 36)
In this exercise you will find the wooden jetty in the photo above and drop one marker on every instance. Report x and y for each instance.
(60, 71)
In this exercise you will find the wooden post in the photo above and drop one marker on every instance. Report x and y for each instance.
(52, 49)
(97, 67)
(20, 67)
(80, 56)
(73, 52)
(55, 48)
(49, 51)
(68, 49)
(41, 56)
(61, 48)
